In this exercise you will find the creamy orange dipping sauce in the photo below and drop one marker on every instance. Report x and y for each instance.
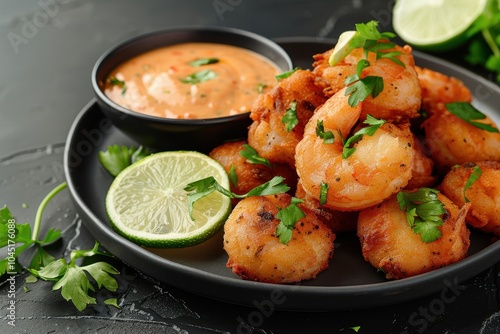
(165, 82)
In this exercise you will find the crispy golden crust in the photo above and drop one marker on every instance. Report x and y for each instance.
(438, 88)
(267, 134)
(483, 194)
(255, 253)
(250, 175)
(452, 141)
(389, 244)
(337, 221)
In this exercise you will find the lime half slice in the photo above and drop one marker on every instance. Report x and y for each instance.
(147, 203)
(343, 47)
(437, 25)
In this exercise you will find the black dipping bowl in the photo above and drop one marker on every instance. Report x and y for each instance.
(180, 134)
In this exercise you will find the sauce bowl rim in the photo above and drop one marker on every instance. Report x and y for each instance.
(111, 52)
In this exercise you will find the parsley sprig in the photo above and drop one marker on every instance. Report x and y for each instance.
(473, 177)
(116, 158)
(374, 125)
(423, 211)
(290, 118)
(253, 156)
(69, 277)
(114, 81)
(288, 216)
(327, 136)
(199, 77)
(370, 39)
(359, 89)
(469, 114)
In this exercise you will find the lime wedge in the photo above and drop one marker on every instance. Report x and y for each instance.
(343, 47)
(435, 25)
(147, 203)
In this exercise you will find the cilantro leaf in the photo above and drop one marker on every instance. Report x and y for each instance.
(100, 272)
(474, 176)
(328, 137)
(290, 118)
(286, 74)
(359, 89)
(374, 125)
(120, 83)
(233, 177)
(253, 157)
(201, 188)
(199, 77)
(75, 286)
(469, 114)
(323, 193)
(72, 279)
(423, 212)
(116, 158)
(203, 61)
(288, 217)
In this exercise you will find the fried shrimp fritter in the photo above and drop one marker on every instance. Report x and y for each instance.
(401, 97)
(380, 166)
(452, 141)
(483, 194)
(438, 88)
(337, 221)
(255, 252)
(250, 175)
(268, 134)
(389, 244)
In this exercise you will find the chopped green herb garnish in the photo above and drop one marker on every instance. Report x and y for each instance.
(469, 114)
(323, 193)
(69, 277)
(72, 279)
(359, 89)
(201, 188)
(356, 328)
(288, 217)
(233, 177)
(116, 158)
(374, 125)
(290, 118)
(474, 176)
(370, 38)
(261, 87)
(286, 74)
(120, 83)
(423, 212)
(328, 137)
(203, 61)
(199, 77)
(253, 157)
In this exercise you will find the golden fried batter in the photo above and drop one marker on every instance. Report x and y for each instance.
(483, 194)
(250, 175)
(267, 134)
(255, 252)
(389, 244)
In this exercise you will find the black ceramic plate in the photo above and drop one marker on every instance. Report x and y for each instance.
(349, 283)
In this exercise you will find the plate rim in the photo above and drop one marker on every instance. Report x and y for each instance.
(299, 298)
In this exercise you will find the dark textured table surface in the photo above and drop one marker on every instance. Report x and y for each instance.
(47, 50)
